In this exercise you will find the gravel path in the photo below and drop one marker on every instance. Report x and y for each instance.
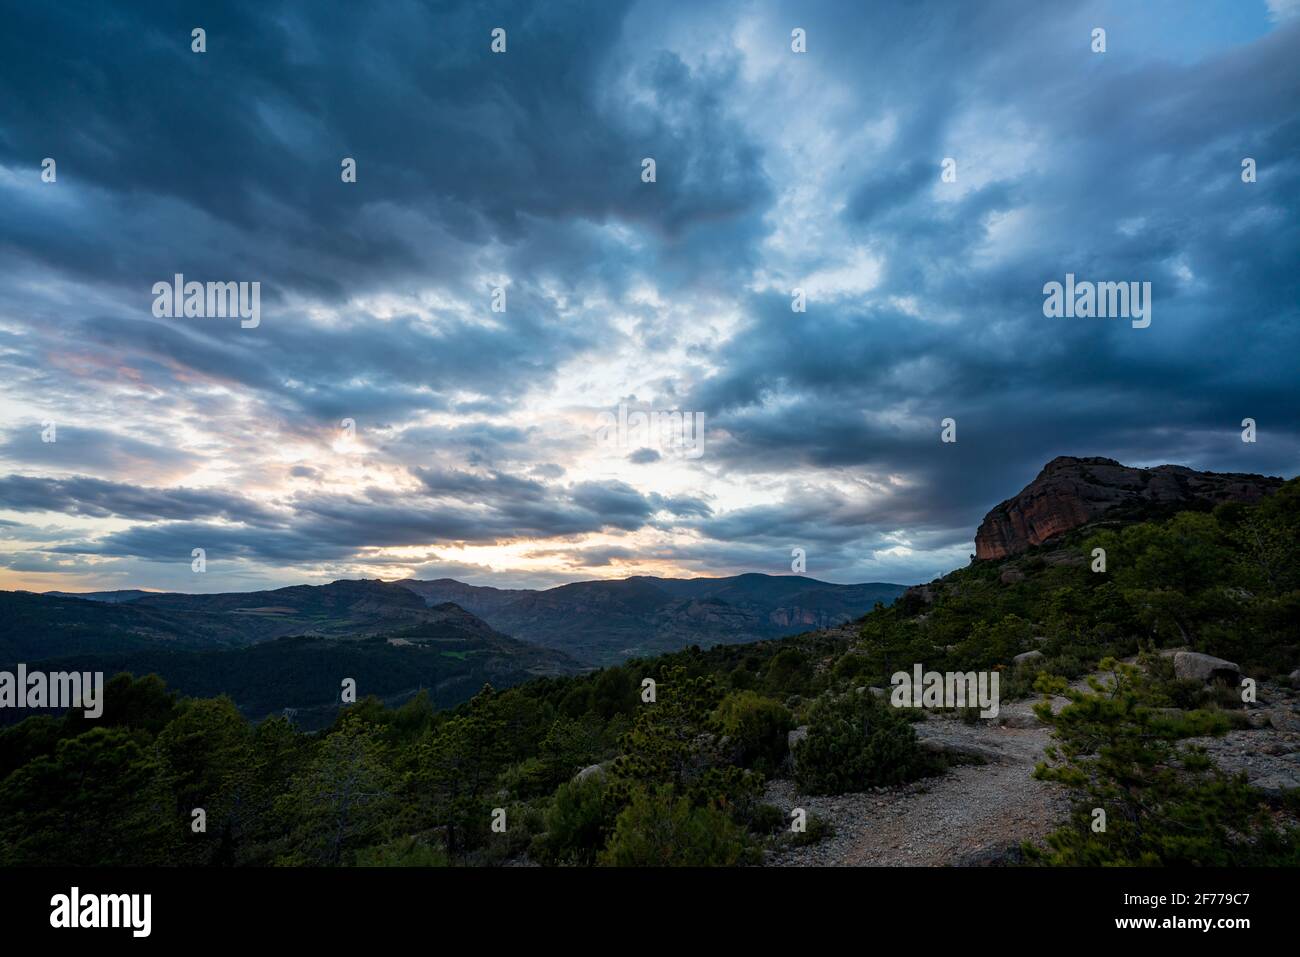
(973, 814)
(979, 814)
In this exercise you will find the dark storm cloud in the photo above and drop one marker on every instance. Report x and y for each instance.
(681, 506)
(460, 484)
(225, 165)
(100, 499)
(175, 541)
(1133, 173)
(74, 448)
(1122, 166)
(448, 137)
(458, 507)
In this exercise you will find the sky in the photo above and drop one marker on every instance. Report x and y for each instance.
(432, 386)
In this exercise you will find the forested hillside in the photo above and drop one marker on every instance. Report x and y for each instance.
(586, 770)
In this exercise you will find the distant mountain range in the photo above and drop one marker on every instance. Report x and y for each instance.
(595, 622)
(290, 647)
(57, 623)
(287, 648)
(605, 622)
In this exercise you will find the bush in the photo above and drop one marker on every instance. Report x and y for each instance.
(523, 825)
(789, 671)
(403, 852)
(577, 823)
(767, 819)
(856, 742)
(737, 791)
(757, 726)
(530, 778)
(1165, 801)
(818, 829)
(852, 665)
(658, 830)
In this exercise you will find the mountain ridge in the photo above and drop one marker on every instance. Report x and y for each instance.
(285, 648)
(1072, 491)
(589, 623)
(604, 621)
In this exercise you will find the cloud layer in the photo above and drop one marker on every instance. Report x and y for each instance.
(385, 419)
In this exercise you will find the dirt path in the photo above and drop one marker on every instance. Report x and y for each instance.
(980, 813)
(973, 814)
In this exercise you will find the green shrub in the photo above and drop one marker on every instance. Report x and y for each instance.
(789, 671)
(406, 851)
(767, 819)
(523, 825)
(741, 679)
(852, 665)
(1166, 803)
(855, 742)
(577, 823)
(531, 777)
(736, 791)
(817, 829)
(757, 726)
(658, 830)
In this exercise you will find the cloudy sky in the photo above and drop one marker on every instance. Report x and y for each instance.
(477, 448)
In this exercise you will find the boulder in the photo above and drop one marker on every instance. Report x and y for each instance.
(791, 739)
(1018, 719)
(957, 747)
(1276, 785)
(1284, 719)
(1020, 714)
(1192, 665)
(1028, 657)
(591, 770)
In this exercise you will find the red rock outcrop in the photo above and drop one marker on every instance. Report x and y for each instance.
(1071, 492)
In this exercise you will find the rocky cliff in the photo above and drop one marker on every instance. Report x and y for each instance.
(1071, 492)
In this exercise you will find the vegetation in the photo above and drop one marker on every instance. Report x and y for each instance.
(680, 780)
(855, 742)
(1147, 798)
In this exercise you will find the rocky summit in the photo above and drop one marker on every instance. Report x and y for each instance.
(1071, 492)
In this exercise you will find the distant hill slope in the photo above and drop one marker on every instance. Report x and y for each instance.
(58, 623)
(605, 622)
(595, 623)
(127, 594)
(290, 647)
(342, 608)
(1072, 492)
(451, 654)
(44, 626)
